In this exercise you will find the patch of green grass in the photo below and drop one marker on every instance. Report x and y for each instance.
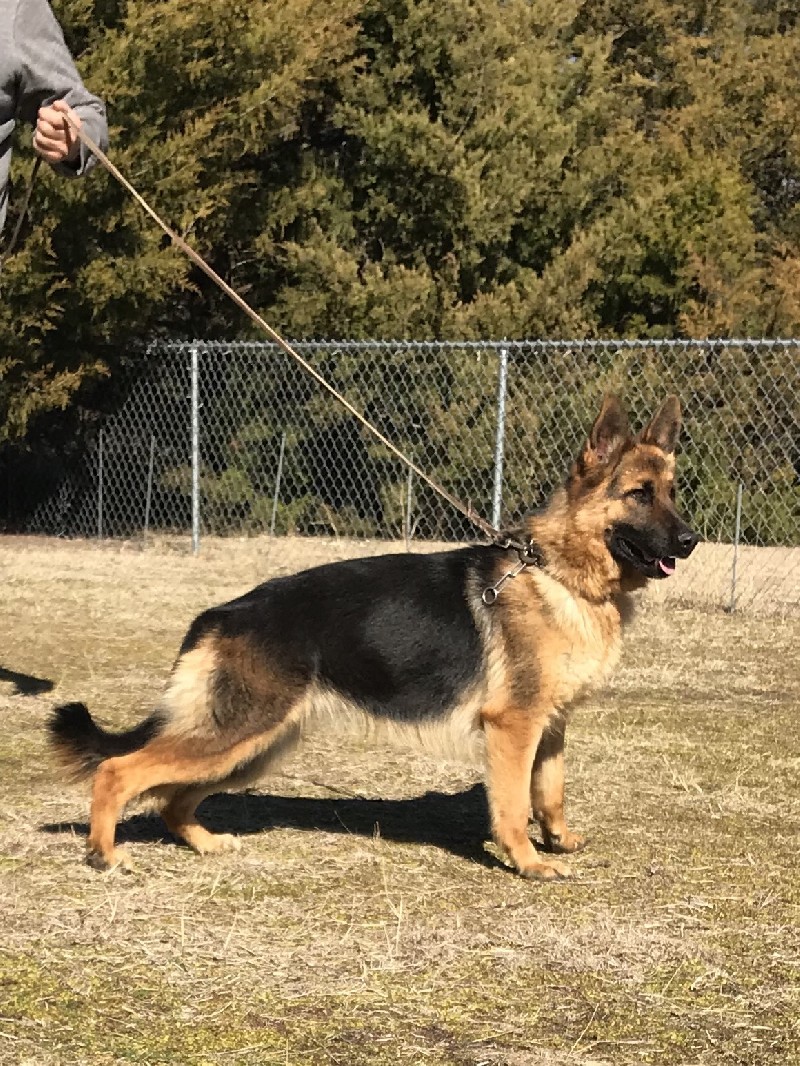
(98, 1016)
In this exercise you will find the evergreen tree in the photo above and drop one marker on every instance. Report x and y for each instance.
(417, 168)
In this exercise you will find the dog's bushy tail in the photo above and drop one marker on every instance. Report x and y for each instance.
(80, 744)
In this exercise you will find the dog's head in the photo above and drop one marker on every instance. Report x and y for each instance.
(623, 488)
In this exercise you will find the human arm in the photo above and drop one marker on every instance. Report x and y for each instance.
(49, 83)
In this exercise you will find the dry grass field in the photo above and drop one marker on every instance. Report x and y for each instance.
(365, 919)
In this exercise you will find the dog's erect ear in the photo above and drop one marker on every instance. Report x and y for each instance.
(609, 433)
(664, 427)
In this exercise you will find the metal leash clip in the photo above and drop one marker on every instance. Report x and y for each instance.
(490, 594)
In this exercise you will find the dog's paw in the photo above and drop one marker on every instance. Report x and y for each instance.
(566, 843)
(546, 871)
(117, 859)
(216, 843)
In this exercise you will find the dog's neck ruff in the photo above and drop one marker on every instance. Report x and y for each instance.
(529, 555)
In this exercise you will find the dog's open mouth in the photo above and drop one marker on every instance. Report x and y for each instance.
(628, 551)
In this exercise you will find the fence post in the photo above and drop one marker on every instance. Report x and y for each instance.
(195, 450)
(276, 493)
(736, 534)
(500, 438)
(149, 493)
(408, 530)
(100, 485)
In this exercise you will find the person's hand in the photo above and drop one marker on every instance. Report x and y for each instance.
(54, 139)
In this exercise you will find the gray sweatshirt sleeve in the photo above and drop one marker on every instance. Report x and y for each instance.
(48, 73)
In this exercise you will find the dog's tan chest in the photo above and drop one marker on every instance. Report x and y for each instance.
(580, 648)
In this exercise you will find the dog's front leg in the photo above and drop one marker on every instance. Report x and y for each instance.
(547, 790)
(512, 739)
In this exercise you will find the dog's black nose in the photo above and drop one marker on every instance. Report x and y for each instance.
(688, 541)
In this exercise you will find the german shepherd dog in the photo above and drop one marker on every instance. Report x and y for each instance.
(408, 648)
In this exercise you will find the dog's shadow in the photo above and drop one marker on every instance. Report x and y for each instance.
(458, 823)
(26, 684)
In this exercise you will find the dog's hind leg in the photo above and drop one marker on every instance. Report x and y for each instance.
(181, 803)
(512, 738)
(226, 712)
(165, 761)
(179, 815)
(547, 791)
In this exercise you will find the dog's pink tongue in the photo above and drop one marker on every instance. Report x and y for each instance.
(667, 566)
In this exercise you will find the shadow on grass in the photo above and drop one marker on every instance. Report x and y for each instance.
(456, 823)
(27, 685)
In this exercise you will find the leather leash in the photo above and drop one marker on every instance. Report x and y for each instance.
(528, 554)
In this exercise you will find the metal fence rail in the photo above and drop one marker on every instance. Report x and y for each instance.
(235, 438)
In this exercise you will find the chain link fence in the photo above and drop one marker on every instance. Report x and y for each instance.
(219, 438)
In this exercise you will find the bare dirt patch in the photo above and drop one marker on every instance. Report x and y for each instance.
(366, 920)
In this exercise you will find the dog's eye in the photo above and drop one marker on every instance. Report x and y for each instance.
(642, 494)
(672, 493)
